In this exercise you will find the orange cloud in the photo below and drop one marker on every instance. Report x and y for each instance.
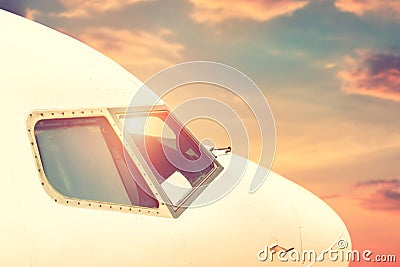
(143, 53)
(32, 14)
(84, 8)
(385, 194)
(373, 74)
(389, 7)
(216, 11)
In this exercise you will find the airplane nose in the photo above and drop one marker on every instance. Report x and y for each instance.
(325, 240)
(238, 229)
(245, 229)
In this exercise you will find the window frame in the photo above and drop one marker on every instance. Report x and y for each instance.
(36, 116)
(112, 115)
(175, 211)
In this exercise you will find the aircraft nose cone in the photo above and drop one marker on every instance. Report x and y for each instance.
(325, 239)
(242, 229)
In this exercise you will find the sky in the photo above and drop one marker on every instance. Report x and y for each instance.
(330, 70)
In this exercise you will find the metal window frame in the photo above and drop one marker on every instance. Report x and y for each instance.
(36, 116)
(165, 209)
(175, 211)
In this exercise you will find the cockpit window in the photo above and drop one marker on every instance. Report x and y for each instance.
(179, 163)
(83, 158)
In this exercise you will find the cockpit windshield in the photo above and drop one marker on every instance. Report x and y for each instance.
(83, 159)
(178, 161)
(107, 157)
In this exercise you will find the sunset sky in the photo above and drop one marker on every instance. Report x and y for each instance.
(330, 70)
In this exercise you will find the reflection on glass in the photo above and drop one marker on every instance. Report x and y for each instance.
(177, 161)
(83, 158)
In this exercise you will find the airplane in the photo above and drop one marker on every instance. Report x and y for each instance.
(67, 194)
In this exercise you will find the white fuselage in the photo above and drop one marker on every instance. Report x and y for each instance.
(42, 69)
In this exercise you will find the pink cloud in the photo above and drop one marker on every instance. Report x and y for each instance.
(85, 8)
(372, 74)
(216, 11)
(380, 194)
(143, 53)
(32, 14)
(390, 8)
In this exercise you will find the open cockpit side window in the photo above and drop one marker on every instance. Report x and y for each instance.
(177, 161)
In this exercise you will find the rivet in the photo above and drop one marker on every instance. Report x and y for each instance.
(79, 203)
(42, 183)
(55, 200)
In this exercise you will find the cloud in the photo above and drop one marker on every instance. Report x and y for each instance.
(330, 196)
(380, 194)
(390, 8)
(141, 52)
(15, 6)
(216, 11)
(330, 65)
(85, 8)
(373, 74)
(32, 14)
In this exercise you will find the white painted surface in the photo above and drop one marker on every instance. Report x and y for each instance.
(43, 69)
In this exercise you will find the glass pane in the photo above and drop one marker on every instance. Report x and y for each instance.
(82, 158)
(176, 159)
